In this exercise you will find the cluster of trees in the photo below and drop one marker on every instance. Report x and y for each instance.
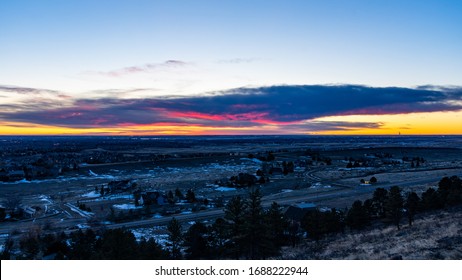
(388, 206)
(372, 180)
(246, 231)
(109, 244)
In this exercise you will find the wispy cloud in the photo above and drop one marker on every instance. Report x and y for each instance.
(289, 108)
(145, 68)
(26, 90)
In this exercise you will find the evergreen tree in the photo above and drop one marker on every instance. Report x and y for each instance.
(431, 200)
(277, 223)
(218, 237)
(175, 236)
(394, 206)
(190, 196)
(234, 217)
(256, 238)
(314, 225)
(151, 250)
(379, 198)
(196, 242)
(412, 206)
(179, 194)
(357, 216)
(117, 244)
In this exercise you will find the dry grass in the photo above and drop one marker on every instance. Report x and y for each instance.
(432, 236)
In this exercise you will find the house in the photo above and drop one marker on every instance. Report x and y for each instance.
(150, 198)
(295, 213)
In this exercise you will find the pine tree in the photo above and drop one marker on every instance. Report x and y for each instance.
(196, 242)
(394, 206)
(256, 238)
(357, 217)
(234, 217)
(277, 223)
(412, 205)
(175, 237)
(379, 198)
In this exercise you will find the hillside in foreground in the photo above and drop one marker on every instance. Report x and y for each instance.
(436, 235)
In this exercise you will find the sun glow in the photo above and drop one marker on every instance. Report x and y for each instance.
(415, 123)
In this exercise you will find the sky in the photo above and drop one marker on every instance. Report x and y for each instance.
(230, 67)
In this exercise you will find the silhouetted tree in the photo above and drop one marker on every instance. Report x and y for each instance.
(175, 238)
(379, 198)
(373, 180)
(412, 206)
(218, 238)
(117, 244)
(394, 206)
(256, 238)
(234, 217)
(190, 196)
(83, 245)
(450, 191)
(431, 200)
(277, 224)
(151, 250)
(357, 216)
(179, 194)
(196, 242)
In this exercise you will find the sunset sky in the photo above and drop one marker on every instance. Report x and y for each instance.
(230, 67)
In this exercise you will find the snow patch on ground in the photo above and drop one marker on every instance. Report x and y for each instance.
(91, 194)
(318, 185)
(82, 213)
(252, 159)
(82, 226)
(286, 190)
(154, 232)
(126, 206)
(225, 189)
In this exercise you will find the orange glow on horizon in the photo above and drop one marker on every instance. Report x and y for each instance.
(438, 123)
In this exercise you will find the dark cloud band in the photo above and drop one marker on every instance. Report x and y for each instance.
(288, 106)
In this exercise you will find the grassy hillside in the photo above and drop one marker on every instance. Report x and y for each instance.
(436, 235)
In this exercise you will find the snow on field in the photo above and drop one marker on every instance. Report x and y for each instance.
(225, 189)
(220, 188)
(153, 232)
(318, 185)
(91, 194)
(126, 206)
(82, 213)
(286, 190)
(157, 216)
(45, 198)
(113, 197)
(186, 212)
(252, 159)
(82, 226)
